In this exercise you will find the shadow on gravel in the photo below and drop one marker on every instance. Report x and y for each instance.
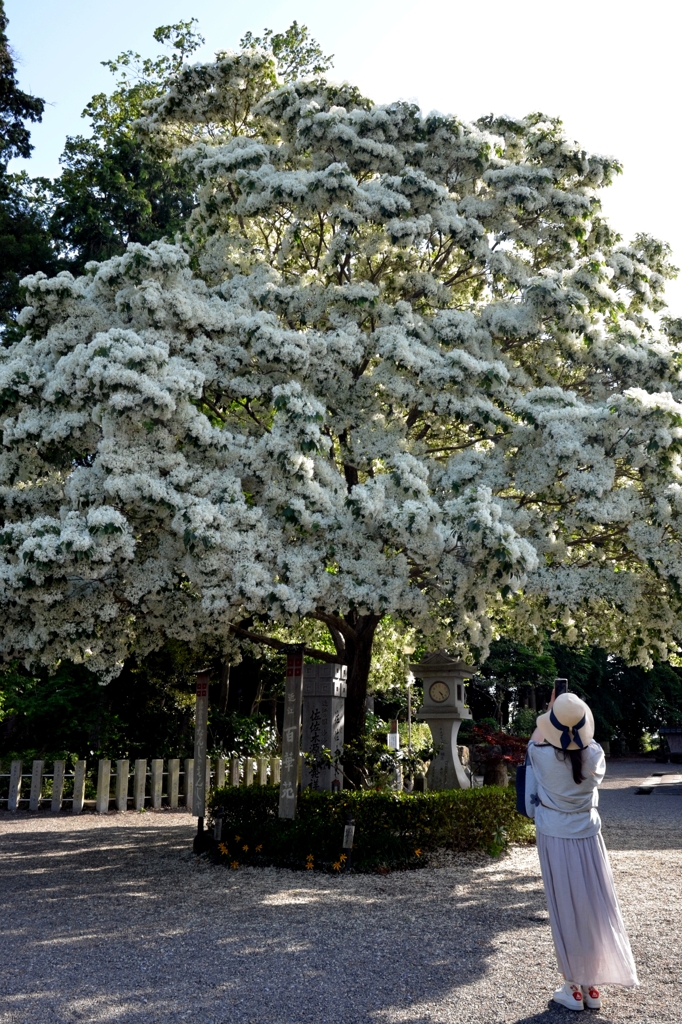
(121, 924)
(113, 924)
(554, 1014)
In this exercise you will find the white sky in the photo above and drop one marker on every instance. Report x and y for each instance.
(606, 67)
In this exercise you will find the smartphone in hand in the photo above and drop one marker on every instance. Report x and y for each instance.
(560, 686)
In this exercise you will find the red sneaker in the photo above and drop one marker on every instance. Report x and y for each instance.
(591, 997)
(570, 996)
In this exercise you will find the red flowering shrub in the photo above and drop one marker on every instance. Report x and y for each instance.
(502, 746)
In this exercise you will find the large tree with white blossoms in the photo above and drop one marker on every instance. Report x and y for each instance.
(396, 365)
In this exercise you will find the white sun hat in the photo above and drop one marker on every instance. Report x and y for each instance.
(569, 724)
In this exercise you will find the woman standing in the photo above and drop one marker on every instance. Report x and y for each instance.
(591, 945)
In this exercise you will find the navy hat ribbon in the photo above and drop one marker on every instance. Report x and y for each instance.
(565, 731)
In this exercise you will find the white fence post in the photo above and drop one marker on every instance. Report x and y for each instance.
(36, 786)
(234, 771)
(57, 785)
(103, 786)
(173, 781)
(189, 782)
(140, 783)
(122, 782)
(78, 787)
(220, 773)
(262, 771)
(248, 771)
(157, 782)
(14, 786)
(275, 764)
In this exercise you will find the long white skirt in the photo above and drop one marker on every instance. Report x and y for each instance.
(591, 945)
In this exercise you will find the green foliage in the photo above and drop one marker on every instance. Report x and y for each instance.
(16, 107)
(25, 246)
(369, 763)
(139, 80)
(392, 830)
(112, 190)
(627, 701)
(235, 735)
(147, 712)
(298, 55)
(113, 193)
(509, 674)
(523, 722)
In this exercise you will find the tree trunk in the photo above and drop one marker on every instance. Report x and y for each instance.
(259, 693)
(359, 662)
(224, 686)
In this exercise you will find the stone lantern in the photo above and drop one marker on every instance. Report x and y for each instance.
(443, 711)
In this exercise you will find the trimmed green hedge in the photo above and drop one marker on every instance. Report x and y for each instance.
(392, 830)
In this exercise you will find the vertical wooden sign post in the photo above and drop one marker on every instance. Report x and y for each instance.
(200, 742)
(291, 732)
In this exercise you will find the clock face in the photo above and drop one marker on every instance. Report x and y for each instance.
(439, 692)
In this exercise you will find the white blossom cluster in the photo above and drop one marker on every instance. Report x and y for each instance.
(397, 364)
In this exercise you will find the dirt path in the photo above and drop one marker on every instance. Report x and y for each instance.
(109, 919)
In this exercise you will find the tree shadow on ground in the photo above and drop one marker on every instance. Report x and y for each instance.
(556, 1015)
(122, 923)
(108, 921)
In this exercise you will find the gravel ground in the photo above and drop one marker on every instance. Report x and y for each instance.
(110, 919)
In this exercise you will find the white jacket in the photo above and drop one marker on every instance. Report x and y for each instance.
(567, 810)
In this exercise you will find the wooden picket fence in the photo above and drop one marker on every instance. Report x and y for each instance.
(156, 783)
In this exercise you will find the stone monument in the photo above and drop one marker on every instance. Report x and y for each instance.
(443, 711)
(324, 697)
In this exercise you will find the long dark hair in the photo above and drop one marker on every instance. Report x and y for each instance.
(576, 759)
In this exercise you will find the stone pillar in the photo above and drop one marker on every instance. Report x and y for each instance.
(57, 785)
(201, 782)
(140, 783)
(14, 786)
(78, 787)
(103, 786)
(324, 697)
(36, 786)
(122, 783)
(189, 782)
(157, 782)
(291, 732)
(173, 781)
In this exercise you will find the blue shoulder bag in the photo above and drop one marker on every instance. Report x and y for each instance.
(526, 789)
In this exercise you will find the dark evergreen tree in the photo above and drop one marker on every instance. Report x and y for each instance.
(25, 244)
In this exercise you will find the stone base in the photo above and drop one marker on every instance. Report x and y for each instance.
(446, 771)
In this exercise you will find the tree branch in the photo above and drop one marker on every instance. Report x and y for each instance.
(256, 638)
(336, 622)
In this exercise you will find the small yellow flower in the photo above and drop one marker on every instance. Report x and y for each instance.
(337, 865)
(417, 853)
(223, 849)
(234, 864)
(237, 838)
(245, 848)
(309, 865)
(343, 857)
(259, 848)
